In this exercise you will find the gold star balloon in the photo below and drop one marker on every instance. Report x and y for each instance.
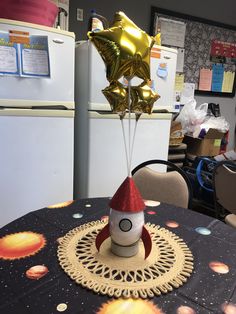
(125, 48)
(142, 98)
(117, 95)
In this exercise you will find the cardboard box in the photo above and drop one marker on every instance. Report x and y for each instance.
(208, 146)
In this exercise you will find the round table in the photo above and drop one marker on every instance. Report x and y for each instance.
(32, 281)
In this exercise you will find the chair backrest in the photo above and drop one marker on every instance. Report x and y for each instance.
(224, 181)
(169, 187)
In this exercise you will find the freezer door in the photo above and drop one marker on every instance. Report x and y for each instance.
(17, 91)
(163, 70)
(98, 81)
(103, 161)
(91, 77)
(36, 162)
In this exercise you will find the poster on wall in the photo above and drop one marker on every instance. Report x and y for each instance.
(172, 32)
(205, 79)
(223, 52)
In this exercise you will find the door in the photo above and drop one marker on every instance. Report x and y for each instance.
(57, 90)
(91, 77)
(36, 160)
(107, 166)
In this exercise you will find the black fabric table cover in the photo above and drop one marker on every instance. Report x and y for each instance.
(206, 291)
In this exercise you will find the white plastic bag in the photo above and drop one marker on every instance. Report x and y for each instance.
(218, 123)
(191, 117)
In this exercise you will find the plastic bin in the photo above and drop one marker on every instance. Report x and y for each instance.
(41, 12)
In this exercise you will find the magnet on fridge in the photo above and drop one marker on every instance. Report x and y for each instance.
(162, 70)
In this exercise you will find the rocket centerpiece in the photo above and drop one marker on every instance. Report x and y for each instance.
(126, 222)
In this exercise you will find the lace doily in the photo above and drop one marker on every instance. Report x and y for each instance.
(168, 266)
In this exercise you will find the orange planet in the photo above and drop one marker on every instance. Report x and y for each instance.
(219, 267)
(229, 308)
(36, 272)
(185, 310)
(59, 205)
(21, 244)
(172, 224)
(131, 306)
(104, 218)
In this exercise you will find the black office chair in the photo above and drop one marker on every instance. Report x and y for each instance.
(171, 187)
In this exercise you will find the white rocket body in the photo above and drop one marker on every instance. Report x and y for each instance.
(126, 222)
(126, 227)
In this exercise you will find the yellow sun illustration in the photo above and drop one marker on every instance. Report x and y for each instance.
(21, 244)
(131, 306)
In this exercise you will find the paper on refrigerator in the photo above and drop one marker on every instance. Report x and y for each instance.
(8, 56)
(35, 57)
(180, 60)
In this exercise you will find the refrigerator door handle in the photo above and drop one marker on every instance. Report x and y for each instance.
(58, 41)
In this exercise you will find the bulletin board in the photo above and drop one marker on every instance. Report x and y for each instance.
(200, 44)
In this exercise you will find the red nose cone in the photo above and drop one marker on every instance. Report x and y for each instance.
(127, 198)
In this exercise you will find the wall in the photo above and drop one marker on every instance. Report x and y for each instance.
(139, 12)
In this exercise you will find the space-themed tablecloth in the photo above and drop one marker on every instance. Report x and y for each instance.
(33, 282)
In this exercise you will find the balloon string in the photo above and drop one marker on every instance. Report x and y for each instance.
(126, 152)
(131, 154)
(132, 148)
(129, 133)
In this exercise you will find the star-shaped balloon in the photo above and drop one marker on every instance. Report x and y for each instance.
(125, 49)
(142, 98)
(117, 95)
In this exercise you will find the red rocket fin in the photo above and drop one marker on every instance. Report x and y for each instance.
(146, 241)
(102, 236)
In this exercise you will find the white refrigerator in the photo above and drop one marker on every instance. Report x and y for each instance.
(36, 118)
(100, 164)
